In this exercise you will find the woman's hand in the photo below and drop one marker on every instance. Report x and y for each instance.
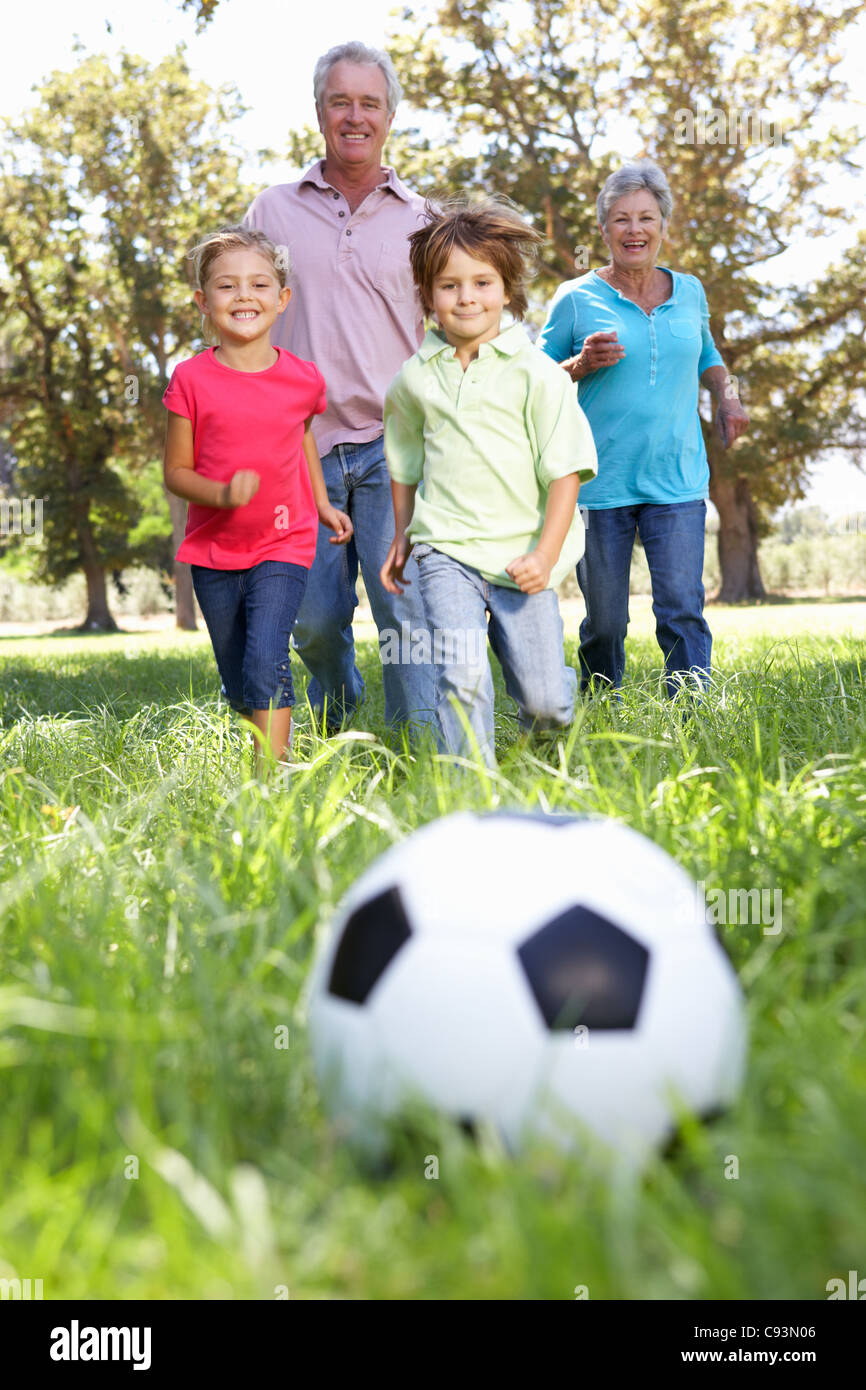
(731, 421)
(391, 573)
(242, 488)
(337, 522)
(599, 350)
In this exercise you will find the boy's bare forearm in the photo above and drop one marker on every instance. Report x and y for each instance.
(403, 498)
(558, 515)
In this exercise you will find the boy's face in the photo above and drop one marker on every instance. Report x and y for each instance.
(467, 298)
(242, 295)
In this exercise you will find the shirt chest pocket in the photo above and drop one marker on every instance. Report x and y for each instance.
(393, 276)
(684, 328)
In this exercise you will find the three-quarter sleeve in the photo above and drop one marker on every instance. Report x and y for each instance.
(562, 437)
(710, 355)
(404, 432)
(557, 337)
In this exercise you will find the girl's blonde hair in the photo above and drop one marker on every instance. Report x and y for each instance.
(212, 247)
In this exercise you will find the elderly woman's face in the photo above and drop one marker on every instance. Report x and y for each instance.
(633, 233)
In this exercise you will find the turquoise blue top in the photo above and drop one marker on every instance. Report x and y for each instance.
(643, 411)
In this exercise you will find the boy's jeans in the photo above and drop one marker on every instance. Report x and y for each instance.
(673, 542)
(358, 483)
(525, 632)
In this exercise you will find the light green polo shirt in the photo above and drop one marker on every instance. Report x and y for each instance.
(484, 446)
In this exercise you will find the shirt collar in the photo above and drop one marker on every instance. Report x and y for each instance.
(315, 176)
(506, 344)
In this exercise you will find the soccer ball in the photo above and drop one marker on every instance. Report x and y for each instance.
(552, 977)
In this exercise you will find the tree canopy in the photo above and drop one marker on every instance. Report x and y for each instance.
(107, 181)
(542, 100)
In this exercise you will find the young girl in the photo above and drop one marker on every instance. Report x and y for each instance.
(486, 447)
(239, 449)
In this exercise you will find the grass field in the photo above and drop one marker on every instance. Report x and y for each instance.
(158, 918)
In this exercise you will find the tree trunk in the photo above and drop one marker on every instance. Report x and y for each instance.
(184, 598)
(99, 617)
(738, 541)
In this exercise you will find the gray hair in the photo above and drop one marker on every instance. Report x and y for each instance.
(631, 178)
(355, 52)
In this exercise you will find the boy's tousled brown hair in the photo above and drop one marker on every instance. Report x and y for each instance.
(491, 229)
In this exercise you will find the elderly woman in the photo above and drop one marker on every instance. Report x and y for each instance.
(636, 337)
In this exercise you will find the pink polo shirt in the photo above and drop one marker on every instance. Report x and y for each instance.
(354, 310)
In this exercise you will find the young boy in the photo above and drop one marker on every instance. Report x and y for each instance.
(486, 446)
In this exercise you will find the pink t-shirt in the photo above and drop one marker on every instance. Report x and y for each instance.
(250, 420)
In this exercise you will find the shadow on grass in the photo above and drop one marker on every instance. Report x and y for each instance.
(789, 600)
(119, 682)
(123, 681)
(95, 633)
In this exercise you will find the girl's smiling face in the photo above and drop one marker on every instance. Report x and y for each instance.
(242, 295)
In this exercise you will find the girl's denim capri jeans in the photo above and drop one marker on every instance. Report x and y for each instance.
(250, 615)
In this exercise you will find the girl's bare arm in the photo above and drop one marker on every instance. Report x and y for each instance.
(181, 478)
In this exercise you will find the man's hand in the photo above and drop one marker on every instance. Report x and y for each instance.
(531, 573)
(337, 522)
(242, 488)
(391, 573)
(599, 350)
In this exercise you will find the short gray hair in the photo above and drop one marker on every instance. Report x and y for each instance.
(631, 178)
(355, 52)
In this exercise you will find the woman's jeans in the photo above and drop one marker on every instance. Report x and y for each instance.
(673, 542)
(525, 632)
(249, 615)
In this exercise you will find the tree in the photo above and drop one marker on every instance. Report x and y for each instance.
(106, 184)
(536, 106)
(536, 100)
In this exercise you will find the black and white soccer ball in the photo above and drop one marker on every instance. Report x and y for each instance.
(553, 977)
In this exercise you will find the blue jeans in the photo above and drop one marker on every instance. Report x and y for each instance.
(358, 483)
(525, 632)
(673, 541)
(249, 615)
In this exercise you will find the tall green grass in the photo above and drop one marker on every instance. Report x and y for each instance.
(158, 919)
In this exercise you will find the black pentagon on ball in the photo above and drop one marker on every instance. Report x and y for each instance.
(370, 940)
(582, 969)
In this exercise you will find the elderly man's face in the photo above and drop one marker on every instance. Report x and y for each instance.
(634, 231)
(353, 116)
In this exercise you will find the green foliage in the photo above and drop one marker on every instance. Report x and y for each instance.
(110, 178)
(159, 911)
(538, 101)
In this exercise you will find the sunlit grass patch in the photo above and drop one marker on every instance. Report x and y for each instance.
(159, 914)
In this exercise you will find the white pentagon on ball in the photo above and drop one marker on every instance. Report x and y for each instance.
(553, 977)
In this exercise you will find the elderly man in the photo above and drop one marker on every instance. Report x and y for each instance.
(355, 313)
